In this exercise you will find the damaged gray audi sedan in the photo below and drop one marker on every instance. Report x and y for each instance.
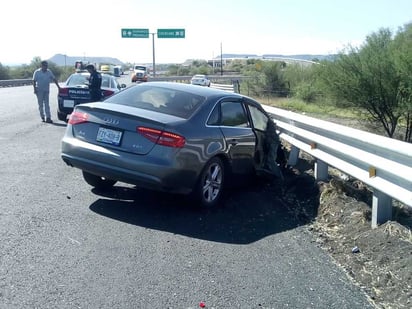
(171, 137)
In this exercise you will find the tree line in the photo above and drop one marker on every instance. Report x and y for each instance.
(375, 79)
(25, 71)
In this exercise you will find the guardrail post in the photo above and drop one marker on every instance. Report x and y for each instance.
(381, 208)
(293, 156)
(236, 86)
(321, 170)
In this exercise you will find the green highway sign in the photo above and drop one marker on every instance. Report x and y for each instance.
(135, 33)
(170, 33)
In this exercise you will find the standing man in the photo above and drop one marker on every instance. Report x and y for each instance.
(41, 83)
(95, 83)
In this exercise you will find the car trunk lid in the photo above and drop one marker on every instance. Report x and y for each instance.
(124, 128)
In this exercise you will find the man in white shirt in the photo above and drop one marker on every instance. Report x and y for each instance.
(41, 83)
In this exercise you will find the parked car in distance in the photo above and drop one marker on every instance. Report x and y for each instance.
(172, 137)
(76, 91)
(200, 80)
(140, 74)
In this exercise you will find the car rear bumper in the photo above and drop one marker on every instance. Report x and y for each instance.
(139, 80)
(120, 166)
(68, 110)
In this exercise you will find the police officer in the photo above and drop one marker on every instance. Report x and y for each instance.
(95, 83)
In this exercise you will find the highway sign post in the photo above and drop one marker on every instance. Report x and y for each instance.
(135, 33)
(170, 33)
(161, 34)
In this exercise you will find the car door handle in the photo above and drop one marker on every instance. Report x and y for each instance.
(233, 141)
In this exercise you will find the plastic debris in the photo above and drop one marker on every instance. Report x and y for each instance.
(355, 249)
(202, 304)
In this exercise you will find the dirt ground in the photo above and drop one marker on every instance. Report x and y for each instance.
(378, 260)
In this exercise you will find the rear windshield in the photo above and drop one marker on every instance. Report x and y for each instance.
(159, 99)
(78, 79)
(83, 79)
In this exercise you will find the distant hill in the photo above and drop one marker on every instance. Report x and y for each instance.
(63, 60)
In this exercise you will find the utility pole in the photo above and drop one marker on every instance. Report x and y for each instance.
(153, 49)
(221, 59)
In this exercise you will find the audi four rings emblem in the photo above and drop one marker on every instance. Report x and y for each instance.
(111, 121)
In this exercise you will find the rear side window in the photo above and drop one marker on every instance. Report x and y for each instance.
(106, 81)
(114, 83)
(230, 114)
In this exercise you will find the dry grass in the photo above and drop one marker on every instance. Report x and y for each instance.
(382, 263)
(320, 109)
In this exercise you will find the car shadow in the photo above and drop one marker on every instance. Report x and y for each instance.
(247, 213)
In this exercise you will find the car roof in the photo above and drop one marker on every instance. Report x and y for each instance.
(85, 72)
(190, 88)
(80, 76)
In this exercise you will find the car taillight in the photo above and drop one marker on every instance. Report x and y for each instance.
(64, 92)
(107, 93)
(162, 137)
(78, 117)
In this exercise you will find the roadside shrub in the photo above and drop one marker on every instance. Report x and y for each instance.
(305, 92)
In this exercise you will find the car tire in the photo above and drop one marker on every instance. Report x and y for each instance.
(62, 116)
(98, 182)
(209, 188)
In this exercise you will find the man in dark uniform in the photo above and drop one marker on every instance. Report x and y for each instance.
(95, 83)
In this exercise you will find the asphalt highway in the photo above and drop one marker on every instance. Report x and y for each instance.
(65, 245)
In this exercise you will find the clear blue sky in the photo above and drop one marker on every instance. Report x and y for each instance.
(44, 28)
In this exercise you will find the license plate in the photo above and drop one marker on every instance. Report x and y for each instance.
(109, 136)
(68, 103)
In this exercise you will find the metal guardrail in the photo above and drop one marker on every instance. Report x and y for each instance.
(216, 82)
(225, 87)
(380, 162)
(15, 82)
(215, 79)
